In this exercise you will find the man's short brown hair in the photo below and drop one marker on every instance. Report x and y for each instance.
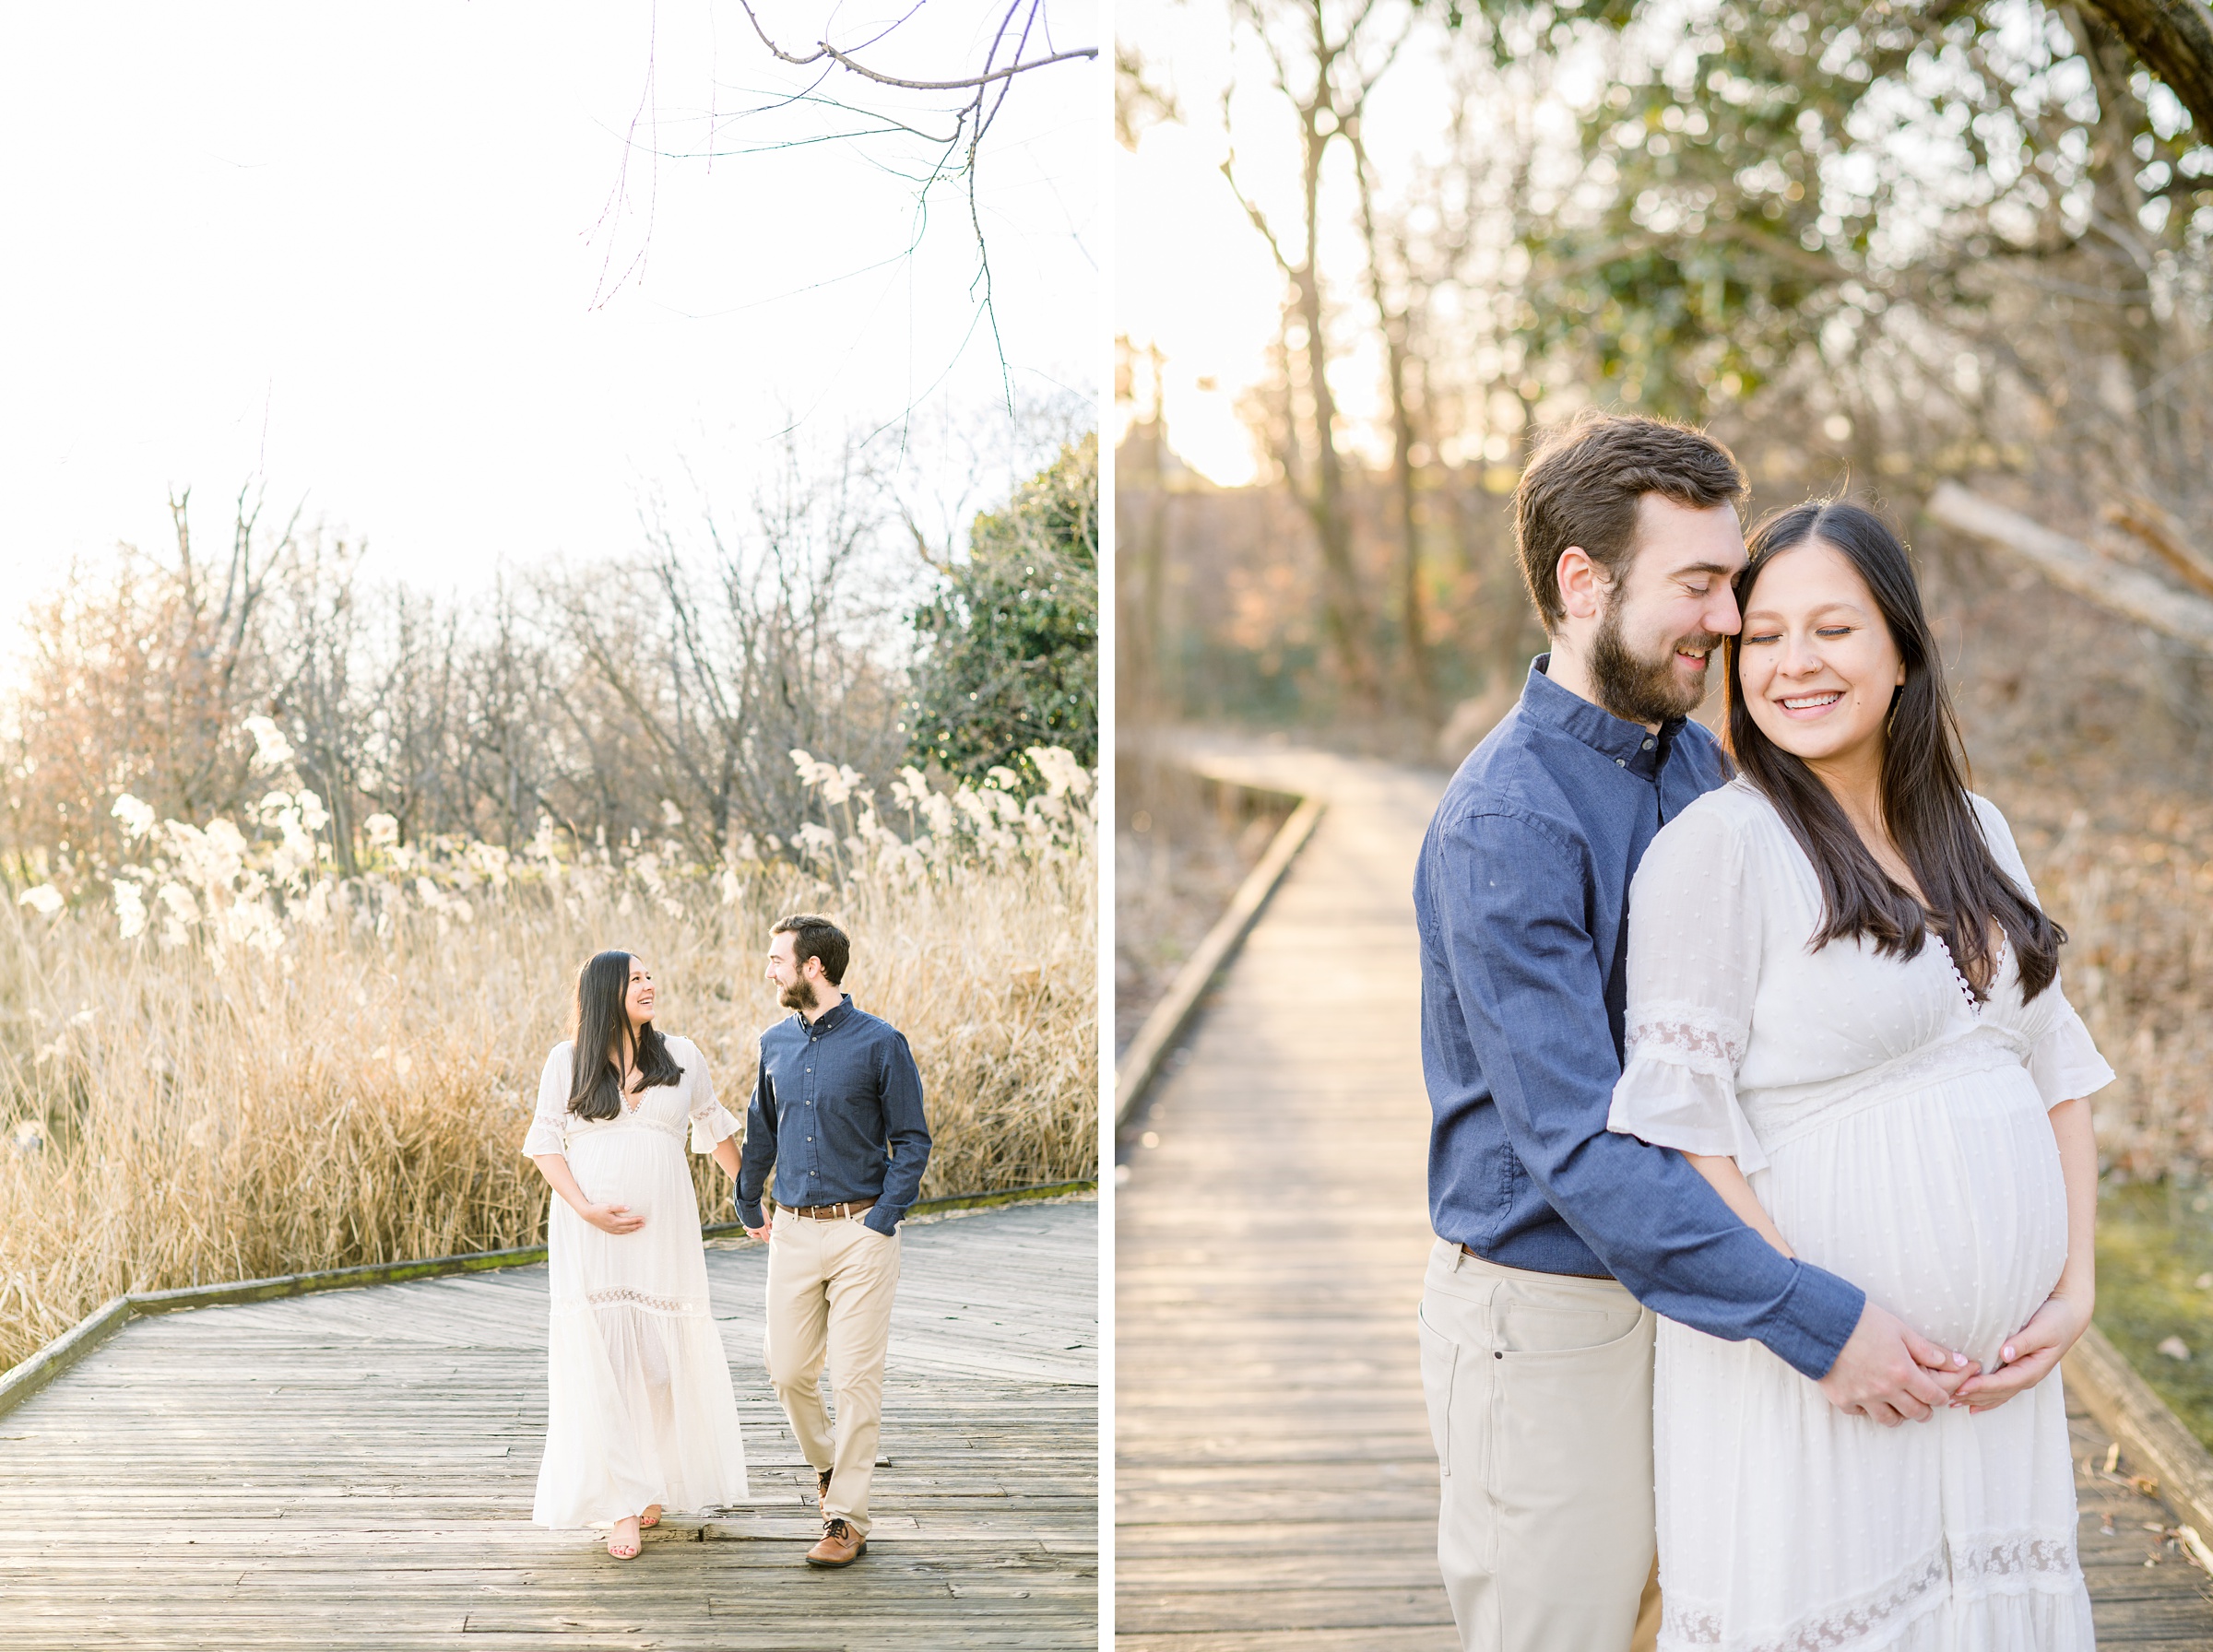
(813, 936)
(1583, 483)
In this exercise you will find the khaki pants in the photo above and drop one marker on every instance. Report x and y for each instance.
(1540, 1394)
(830, 1289)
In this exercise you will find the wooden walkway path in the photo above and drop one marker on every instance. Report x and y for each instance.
(1275, 1484)
(355, 1469)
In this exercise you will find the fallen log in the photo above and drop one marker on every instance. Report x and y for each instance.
(2131, 593)
(2156, 527)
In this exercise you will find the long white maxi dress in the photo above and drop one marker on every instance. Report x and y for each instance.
(1896, 1132)
(638, 1407)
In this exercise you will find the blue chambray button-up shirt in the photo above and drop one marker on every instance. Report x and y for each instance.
(837, 1109)
(1522, 900)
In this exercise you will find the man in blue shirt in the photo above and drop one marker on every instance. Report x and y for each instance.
(837, 1110)
(1537, 1354)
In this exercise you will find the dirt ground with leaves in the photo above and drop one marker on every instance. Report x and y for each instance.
(1181, 846)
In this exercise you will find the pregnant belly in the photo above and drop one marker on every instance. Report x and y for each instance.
(644, 1170)
(1945, 1204)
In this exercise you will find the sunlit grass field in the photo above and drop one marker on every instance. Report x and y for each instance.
(279, 1072)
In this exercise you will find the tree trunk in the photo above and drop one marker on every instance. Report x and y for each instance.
(2174, 40)
(1420, 689)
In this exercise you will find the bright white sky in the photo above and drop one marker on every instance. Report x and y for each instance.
(368, 254)
(1196, 278)
(1193, 275)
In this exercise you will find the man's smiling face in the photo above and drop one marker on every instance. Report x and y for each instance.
(1650, 657)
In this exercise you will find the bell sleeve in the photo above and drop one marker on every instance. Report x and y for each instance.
(2064, 1061)
(1693, 970)
(549, 1120)
(711, 1121)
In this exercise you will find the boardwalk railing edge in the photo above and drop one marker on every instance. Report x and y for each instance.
(2152, 1436)
(1139, 1063)
(26, 1379)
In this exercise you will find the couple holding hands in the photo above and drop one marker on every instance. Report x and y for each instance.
(1761, 1164)
(640, 1412)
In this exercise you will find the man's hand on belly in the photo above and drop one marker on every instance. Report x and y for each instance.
(1891, 1373)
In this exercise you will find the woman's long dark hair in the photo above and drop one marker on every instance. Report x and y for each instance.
(1924, 781)
(595, 1081)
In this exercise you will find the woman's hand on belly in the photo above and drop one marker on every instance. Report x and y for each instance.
(2031, 1354)
(611, 1219)
(606, 1216)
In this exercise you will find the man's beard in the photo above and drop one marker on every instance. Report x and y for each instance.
(799, 996)
(1637, 690)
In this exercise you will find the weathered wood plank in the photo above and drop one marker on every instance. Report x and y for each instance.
(294, 1473)
(1274, 1482)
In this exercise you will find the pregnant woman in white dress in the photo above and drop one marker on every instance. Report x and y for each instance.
(1844, 1008)
(639, 1411)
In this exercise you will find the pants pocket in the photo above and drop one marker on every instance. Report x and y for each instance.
(1576, 1436)
(1525, 1327)
(1440, 1370)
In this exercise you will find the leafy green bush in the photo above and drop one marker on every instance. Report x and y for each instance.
(1011, 642)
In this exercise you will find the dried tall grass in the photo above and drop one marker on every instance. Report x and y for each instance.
(243, 1101)
(2134, 886)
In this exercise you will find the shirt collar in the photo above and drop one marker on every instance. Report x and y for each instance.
(1626, 744)
(829, 1019)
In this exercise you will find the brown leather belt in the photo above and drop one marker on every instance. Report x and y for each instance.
(829, 1212)
(1471, 1251)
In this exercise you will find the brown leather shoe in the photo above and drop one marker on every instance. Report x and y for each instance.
(821, 1486)
(841, 1545)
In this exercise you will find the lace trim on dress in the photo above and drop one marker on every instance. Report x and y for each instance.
(710, 1126)
(630, 1120)
(1975, 1001)
(625, 1296)
(2015, 1557)
(1919, 1589)
(1688, 1035)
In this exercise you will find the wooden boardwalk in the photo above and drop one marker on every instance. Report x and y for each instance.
(1275, 1484)
(355, 1469)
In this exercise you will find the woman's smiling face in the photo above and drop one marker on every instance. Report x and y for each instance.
(637, 999)
(1814, 659)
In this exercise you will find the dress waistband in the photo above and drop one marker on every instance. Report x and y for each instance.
(1783, 1115)
(577, 1130)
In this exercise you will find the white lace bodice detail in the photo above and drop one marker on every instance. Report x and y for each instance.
(686, 1108)
(1738, 1037)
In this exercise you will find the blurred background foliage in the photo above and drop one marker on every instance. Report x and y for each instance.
(1873, 247)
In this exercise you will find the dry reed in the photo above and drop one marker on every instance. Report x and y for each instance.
(2138, 902)
(318, 1096)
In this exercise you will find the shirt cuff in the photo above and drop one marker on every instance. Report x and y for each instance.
(890, 1217)
(1815, 1318)
(748, 1212)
